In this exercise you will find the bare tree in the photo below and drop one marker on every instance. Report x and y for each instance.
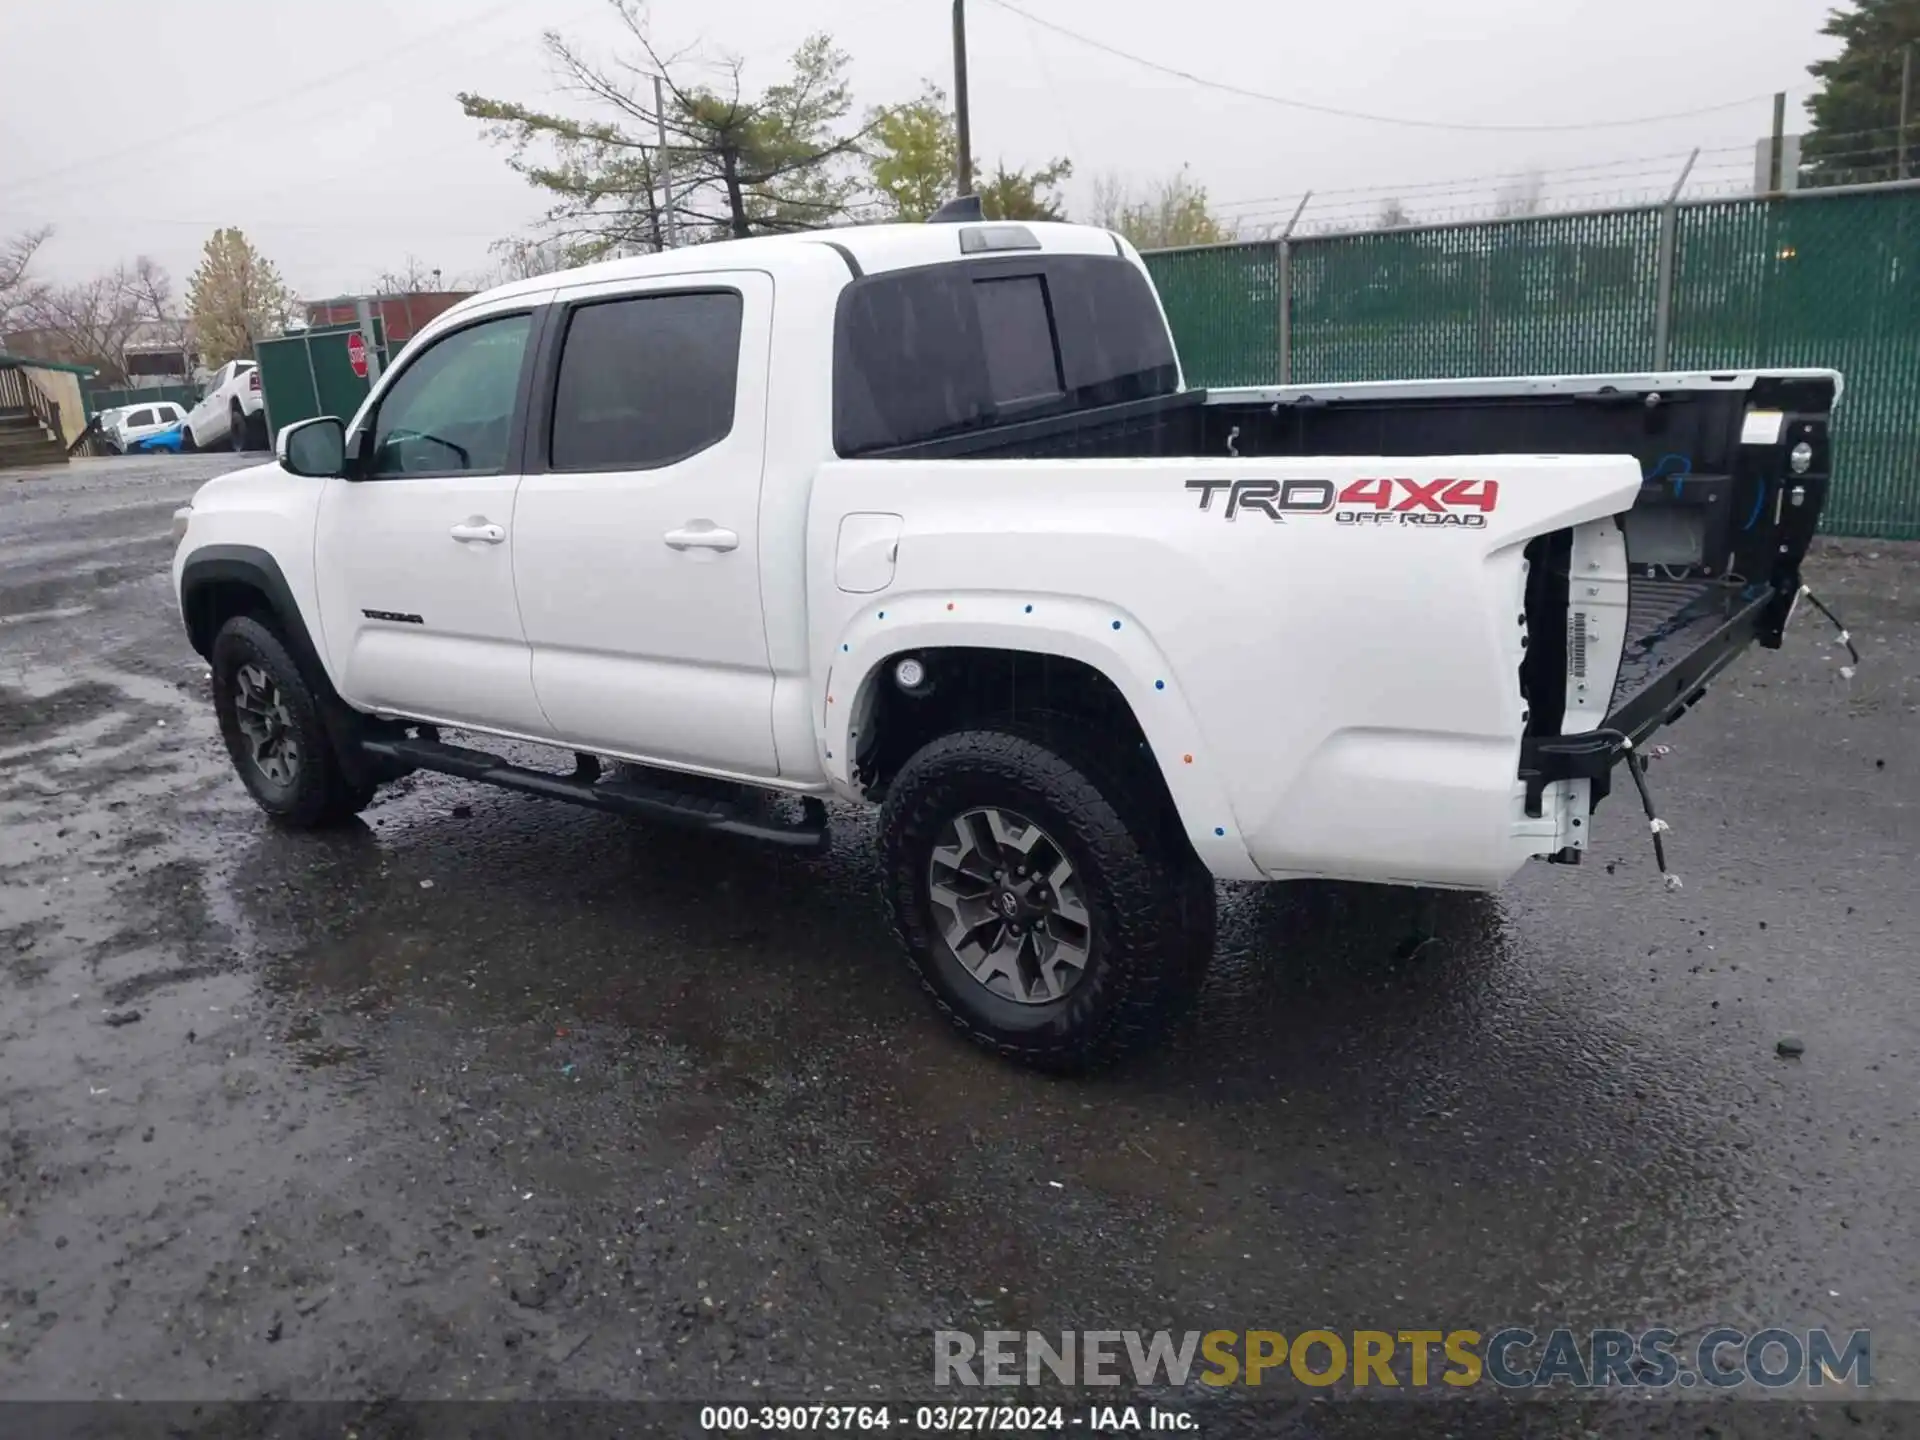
(1520, 196)
(414, 277)
(18, 289)
(150, 288)
(89, 322)
(520, 258)
(1393, 216)
(1173, 211)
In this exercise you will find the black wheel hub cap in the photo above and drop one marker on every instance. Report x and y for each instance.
(1006, 904)
(260, 710)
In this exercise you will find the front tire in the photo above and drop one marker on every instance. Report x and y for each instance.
(271, 722)
(1050, 905)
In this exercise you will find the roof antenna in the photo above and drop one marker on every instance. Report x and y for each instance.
(958, 211)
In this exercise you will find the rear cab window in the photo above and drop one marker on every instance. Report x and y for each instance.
(934, 351)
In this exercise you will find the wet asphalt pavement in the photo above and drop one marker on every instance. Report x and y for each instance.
(493, 1097)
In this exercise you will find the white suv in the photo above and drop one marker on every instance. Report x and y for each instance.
(135, 422)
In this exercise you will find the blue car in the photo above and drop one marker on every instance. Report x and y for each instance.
(168, 440)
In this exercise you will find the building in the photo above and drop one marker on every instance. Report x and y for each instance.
(401, 316)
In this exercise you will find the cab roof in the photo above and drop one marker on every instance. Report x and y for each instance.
(864, 249)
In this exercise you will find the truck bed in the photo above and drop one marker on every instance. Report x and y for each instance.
(1713, 544)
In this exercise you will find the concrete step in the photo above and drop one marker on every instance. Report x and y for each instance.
(34, 452)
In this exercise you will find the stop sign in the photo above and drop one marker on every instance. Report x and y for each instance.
(357, 354)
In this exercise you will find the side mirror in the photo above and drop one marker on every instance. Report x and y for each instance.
(316, 448)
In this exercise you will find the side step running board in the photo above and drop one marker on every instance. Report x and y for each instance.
(627, 795)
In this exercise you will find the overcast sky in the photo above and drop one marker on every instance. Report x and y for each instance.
(329, 132)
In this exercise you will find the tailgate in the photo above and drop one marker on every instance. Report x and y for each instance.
(1631, 621)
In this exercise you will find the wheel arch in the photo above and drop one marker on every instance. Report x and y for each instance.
(218, 582)
(1001, 665)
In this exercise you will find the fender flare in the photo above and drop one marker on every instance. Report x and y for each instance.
(1105, 638)
(251, 566)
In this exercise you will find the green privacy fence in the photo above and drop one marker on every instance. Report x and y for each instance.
(309, 373)
(107, 397)
(1827, 278)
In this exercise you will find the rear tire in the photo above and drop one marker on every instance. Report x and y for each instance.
(271, 722)
(1146, 900)
(236, 430)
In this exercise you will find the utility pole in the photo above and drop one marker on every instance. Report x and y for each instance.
(666, 164)
(1906, 101)
(1776, 152)
(963, 131)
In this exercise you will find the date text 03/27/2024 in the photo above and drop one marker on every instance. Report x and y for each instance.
(945, 1419)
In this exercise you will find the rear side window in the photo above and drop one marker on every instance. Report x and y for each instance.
(935, 351)
(647, 381)
(140, 417)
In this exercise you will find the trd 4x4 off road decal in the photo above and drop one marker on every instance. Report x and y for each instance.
(1396, 501)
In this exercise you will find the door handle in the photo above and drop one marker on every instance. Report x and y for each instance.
(484, 531)
(701, 535)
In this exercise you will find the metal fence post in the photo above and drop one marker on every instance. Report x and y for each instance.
(1668, 255)
(1283, 283)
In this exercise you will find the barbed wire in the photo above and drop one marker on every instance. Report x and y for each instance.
(1723, 170)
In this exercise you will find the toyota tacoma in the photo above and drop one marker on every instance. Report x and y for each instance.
(925, 517)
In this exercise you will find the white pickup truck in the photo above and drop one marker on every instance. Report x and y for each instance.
(231, 411)
(925, 517)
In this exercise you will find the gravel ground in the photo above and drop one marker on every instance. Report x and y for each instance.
(492, 1097)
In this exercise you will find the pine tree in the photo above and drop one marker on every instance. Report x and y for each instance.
(236, 299)
(1856, 114)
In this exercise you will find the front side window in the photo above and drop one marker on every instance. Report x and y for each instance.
(450, 412)
(647, 381)
(139, 418)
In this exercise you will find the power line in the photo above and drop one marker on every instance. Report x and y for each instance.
(265, 226)
(357, 71)
(1650, 164)
(1319, 109)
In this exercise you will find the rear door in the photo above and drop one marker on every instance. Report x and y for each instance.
(415, 559)
(637, 546)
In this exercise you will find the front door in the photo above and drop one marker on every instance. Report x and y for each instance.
(636, 538)
(415, 555)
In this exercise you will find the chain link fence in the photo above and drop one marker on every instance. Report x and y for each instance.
(1820, 278)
